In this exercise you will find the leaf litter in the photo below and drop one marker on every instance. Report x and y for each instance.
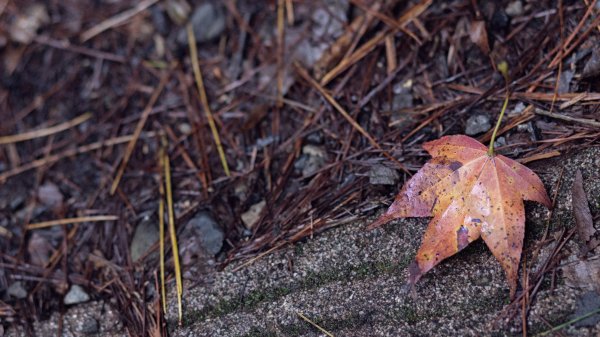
(118, 67)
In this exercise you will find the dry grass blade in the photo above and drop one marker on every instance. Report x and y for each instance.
(116, 20)
(172, 232)
(46, 131)
(315, 325)
(67, 221)
(204, 98)
(138, 130)
(345, 114)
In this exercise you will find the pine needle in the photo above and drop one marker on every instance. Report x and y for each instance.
(173, 234)
(161, 227)
(116, 20)
(204, 98)
(138, 130)
(68, 221)
(45, 132)
(315, 324)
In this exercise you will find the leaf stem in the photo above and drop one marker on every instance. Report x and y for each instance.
(503, 68)
(491, 148)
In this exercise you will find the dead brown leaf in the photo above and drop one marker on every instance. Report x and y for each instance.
(583, 274)
(478, 36)
(583, 217)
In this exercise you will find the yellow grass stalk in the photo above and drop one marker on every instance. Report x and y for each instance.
(173, 234)
(204, 98)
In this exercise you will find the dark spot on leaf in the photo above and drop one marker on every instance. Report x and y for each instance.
(433, 204)
(462, 237)
(455, 165)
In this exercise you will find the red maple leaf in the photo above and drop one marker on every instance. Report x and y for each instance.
(469, 194)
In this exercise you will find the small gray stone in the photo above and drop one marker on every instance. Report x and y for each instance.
(383, 175)
(24, 28)
(146, 234)
(329, 20)
(315, 138)
(49, 195)
(314, 151)
(565, 80)
(76, 295)
(209, 232)
(514, 9)
(500, 141)
(89, 326)
(17, 290)
(592, 66)
(313, 158)
(402, 101)
(517, 110)
(587, 303)
(252, 215)
(477, 124)
(208, 21)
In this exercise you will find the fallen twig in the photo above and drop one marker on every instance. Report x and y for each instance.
(584, 121)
